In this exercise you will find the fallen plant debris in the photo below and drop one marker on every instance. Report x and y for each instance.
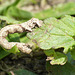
(18, 28)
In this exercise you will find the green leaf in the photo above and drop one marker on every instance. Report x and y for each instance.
(66, 69)
(58, 11)
(2, 23)
(9, 20)
(18, 14)
(24, 39)
(13, 50)
(4, 6)
(50, 52)
(33, 1)
(59, 58)
(70, 59)
(23, 72)
(55, 34)
(22, 3)
(16, 2)
(3, 53)
(56, 57)
(14, 37)
(73, 52)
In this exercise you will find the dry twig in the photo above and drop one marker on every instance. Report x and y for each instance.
(18, 28)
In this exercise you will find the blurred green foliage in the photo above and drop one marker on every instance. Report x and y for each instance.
(10, 13)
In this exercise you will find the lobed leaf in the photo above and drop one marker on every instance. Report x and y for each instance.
(55, 34)
(55, 57)
(59, 58)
